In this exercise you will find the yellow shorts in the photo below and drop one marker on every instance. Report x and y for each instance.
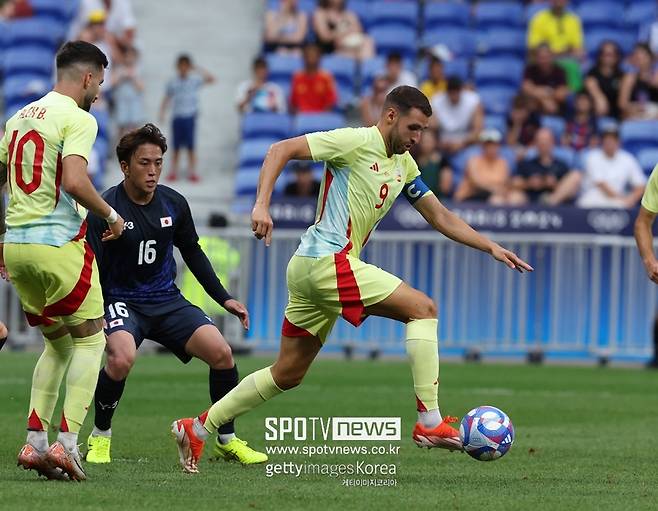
(55, 284)
(321, 289)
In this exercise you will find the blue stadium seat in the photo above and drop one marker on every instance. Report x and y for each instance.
(460, 41)
(371, 68)
(346, 96)
(499, 14)
(566, 154)
(307, 6)
(59, 10)
(638, 135)
(246, 180)
(282, 67)
(640, 12)
(457, 67)
(648, 159)
(626, 40)
(398, 39)
(498, 71)
(265, 125)
(34, 31)
(308, 123)
(602, 14)
(343, 69)
(103, 120)
(394, 14)
(363, 9)
(556, 124)
(447, 13)
(497, 99)
(25, 88)
(29, 60)
(459, 160)
(252, 152)
(499, 42)
(533, 9)
(496, 121)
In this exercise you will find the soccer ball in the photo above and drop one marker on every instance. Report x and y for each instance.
(487, 433)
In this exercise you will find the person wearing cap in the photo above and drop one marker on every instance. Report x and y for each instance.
(95, 32)
(305, 184)
(613, 177)
(459, 115)
(545, 178)
(487, 175)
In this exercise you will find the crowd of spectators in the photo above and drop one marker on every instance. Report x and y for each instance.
(558, 140)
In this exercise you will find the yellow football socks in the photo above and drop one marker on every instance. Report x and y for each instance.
(423, 350)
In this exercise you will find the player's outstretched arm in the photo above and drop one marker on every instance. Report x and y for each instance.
(3, 227)
(276, 159)
(75, 181)
(644, 240)
(450, 225)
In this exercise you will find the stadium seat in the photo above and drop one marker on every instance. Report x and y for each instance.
(61, 11)
(602, 14)
(34, 31)
(457, 67)
(33, 60)
(371, 68)
(496, 122)
(566, 154)
(246, 180)
(343, 69)
(363, 9)
(498, 71)
(499, 15)
(533, 9)
(497, 99)
(446, 13)
(389, 39)
(103, 119)
(393, 14)
(639, 12)
(460, 41)
(626, 40)
(500, 42)
(265, 125)
(308, 123)
(25, 88)
(282, 67)
(648, 159)
(252, 152)
(307, 6)
(556, 124)
(638, 135)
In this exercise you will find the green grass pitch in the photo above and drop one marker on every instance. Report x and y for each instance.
(586, 438)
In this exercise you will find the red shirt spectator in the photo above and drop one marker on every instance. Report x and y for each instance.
(313, 90)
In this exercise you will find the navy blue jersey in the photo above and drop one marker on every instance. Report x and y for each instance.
(139, 267)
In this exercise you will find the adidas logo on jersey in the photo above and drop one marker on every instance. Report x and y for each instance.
(374, 167)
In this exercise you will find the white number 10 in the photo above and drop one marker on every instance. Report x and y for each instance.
(146, 252)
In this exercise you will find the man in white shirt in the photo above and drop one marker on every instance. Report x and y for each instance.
(396, 74)
(259, 94)
(459, 115)
(120, 21)
(613, 177)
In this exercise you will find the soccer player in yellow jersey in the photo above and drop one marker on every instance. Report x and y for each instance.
(365, 170)
(43, 157)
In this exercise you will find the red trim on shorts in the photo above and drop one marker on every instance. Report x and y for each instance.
(349, 294)
(58, 177)
(82, 232)
(36, 320)
(290, 330)
(71, 302)
(34, 422)
(63, 425)
(328, 178)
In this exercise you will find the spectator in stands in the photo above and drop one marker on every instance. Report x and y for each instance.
(613, 177)
(557, 28)
(546, 82)
(305, 184)
(649, 35)
(127, 92)
(638, 95)
(339, 30)
(581, 129)
(12, 9)
(120, 20)
(603, 80)
(459, 116)
(285, 29)
(183, 94)
(95, 32)
(313, 90)
(545, 178)
(523, 121)
(487, 175)
(436, 83)
(396, 74)
(259, 94)
(371, 105)
(434, 167)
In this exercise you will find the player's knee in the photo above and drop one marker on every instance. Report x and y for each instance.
(118, 365)
(222, 358)
(426, 308)
(288, 378)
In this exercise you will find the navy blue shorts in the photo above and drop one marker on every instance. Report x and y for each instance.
(171, 329)
(183, 128)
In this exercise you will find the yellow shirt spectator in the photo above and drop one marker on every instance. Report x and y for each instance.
(430, 88)
(562, 33)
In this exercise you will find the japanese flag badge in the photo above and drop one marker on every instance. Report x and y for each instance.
(165, 221)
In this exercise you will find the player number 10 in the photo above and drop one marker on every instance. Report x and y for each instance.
(147, 252)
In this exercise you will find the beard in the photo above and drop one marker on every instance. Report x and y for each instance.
(87, 102)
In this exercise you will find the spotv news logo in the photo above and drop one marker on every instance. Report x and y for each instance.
(332, 428)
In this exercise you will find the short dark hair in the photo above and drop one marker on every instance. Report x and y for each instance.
(147, 134)
(454, 83)
(80, 52)
(259, 62)
(394, 57)
(404, 98)
(184, 59)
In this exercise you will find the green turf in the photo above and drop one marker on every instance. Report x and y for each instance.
(586, 439)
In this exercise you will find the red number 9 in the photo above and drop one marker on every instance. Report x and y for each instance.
(383, 193)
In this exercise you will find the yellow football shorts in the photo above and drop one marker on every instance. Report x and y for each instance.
(321, 289)
(55, 283)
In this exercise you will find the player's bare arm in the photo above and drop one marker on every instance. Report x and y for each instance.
(644, 240)
(450, 225)
(276, 159)
(3, 226)
(75, 181)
